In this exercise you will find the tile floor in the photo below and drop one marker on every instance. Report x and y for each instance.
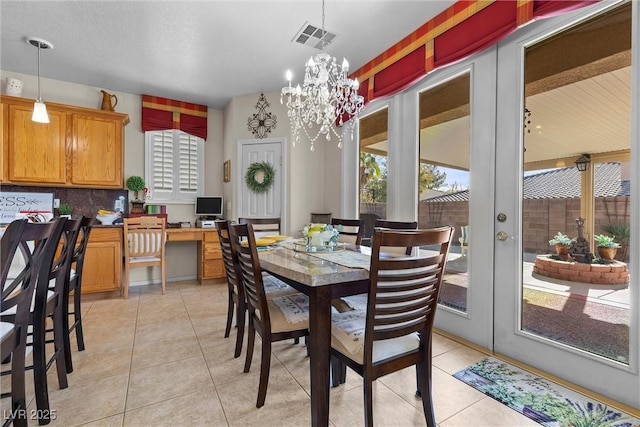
(156, 360)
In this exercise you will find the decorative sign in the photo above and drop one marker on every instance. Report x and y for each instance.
(261, 123)
(14, 204)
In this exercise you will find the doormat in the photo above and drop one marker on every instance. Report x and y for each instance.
(543, 401)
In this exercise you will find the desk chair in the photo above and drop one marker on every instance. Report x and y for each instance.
(397, 323)
(75, 285)
(27, 253)
(144, 239)
(351, 230)
(266, 316)
(263, 226)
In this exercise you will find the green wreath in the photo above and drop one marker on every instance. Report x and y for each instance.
(254, 171)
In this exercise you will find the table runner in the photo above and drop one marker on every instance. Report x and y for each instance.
(351, 259)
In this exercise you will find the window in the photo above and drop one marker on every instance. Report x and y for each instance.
(174, 166)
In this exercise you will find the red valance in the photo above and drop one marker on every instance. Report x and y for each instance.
(163, 113)
(465, 28)
(477, 32)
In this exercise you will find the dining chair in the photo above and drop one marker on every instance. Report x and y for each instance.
(273, 287)
(144, 239)
(27, 252)
(397, 225)
(351, 230)
(397, 323)
(75, 285)
(263, 226)
(360, 301)
(236, 298)
(275, 319)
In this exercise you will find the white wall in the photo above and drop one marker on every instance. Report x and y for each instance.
(314, 179)
(307, 170)
(181, 260)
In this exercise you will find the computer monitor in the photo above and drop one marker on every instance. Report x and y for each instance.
(209, 206)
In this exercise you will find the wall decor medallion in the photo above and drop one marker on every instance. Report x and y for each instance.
(261, 123)
(259, 177)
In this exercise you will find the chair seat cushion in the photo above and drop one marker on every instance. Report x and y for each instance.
(347, 336)
(274, 287)
(289, 312)
(145, 259)
(11, 311)
(355, 302)
(5, 328)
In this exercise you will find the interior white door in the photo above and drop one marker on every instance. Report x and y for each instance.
(269, 203)
(612, 378)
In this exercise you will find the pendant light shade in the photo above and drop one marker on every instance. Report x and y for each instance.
(40, 114)
(39, 108)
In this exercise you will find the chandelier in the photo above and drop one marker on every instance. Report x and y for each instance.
(326, 98)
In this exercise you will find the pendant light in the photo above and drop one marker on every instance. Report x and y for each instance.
(39, 108)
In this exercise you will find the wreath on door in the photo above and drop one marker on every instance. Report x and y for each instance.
(259, 177)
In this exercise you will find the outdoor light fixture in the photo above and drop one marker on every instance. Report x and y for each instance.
(583, 162)
(39, 108)
(327, 97)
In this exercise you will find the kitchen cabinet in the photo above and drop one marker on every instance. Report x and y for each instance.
(80, 147)
(103, 260)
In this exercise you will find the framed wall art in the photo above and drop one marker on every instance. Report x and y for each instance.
(227, 171)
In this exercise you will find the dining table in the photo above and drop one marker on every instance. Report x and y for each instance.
(322, 276)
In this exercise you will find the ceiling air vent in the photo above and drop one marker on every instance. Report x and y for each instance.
(311, 35)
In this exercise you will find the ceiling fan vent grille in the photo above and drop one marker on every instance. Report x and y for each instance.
(311, 35)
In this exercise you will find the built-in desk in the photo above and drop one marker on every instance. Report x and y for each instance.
(103, 259)
(210, 264)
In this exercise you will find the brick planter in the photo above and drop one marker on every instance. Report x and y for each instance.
(615, 273)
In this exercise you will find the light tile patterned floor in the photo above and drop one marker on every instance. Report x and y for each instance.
(156, 360)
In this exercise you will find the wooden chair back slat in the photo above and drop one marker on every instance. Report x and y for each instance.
(351, 230)
(404, 290)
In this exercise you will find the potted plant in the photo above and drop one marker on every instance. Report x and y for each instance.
(607, 247)
(561, 242)
(65, 210)
(136, 184)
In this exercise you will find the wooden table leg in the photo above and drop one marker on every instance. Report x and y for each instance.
(320, 338)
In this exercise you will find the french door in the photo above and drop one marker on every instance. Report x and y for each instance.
(455, 116)
(553, 105)
(515, 118)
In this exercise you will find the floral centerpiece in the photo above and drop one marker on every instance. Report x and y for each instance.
(320, 235)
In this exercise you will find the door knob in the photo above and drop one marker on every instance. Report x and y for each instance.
(502, 236)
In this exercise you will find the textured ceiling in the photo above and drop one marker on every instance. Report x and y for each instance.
(198, 51)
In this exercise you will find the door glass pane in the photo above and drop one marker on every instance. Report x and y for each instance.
(374, 149)
(578, 101)
(443, 182)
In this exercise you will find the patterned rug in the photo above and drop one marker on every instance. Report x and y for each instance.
(543, 401)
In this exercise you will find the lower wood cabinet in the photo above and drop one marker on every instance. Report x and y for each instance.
(103, 261)
(210, 264)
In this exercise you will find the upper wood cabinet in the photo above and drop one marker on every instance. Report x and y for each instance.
(80, 147)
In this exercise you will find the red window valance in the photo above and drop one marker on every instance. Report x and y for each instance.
(467, 27)
(163, 113)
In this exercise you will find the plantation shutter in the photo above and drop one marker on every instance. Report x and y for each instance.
(188, 172)
(174, 167)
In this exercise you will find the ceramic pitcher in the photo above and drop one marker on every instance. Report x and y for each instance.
(109, 101)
